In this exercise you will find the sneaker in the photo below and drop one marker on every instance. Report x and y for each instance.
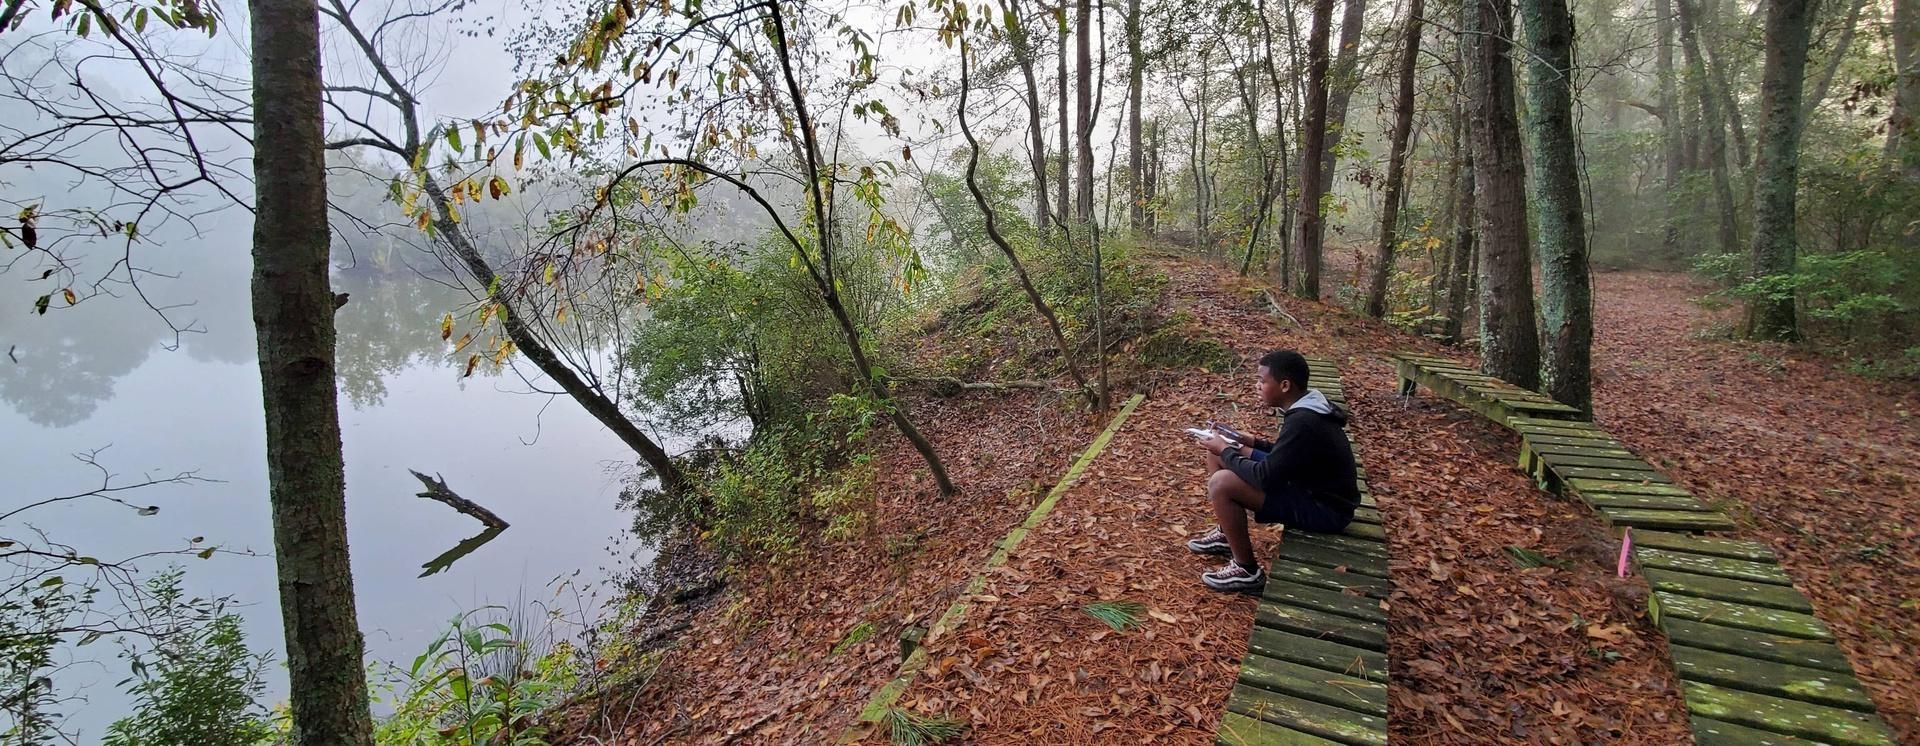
(1213, 543)
(1235, 578)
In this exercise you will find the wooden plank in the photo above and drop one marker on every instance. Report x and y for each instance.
(1327, 656)
(1751, 551)
(1314, 685)
(1710, 732)
(1321, 625)
(1321, 599)
(1785, 716)
(1773, 679)
(1702, 564)
(1553, 449)
(1671, 520)
(1344, 726)
(1336, 541)
(1323, 556)
(1550, 424)
(1780, 597)
(1318, 577)
(1771, 621)
(1759, 645)
(1239, 730)
(1618, 475)
(1626, 463)
(1584, 441)
(1656, 502)
(1366, 515)
(1627, 487)
(1365, 531)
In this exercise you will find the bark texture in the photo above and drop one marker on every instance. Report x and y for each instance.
(1777, 164)
(1566, 289)
(1396, 161)
(293, 305)
(1509, 344)
(1306, 275)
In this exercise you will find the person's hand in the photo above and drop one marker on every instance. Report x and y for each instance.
(1214, 443)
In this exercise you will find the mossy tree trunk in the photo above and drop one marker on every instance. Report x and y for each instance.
(1509, 345)
(1566, 291)
(1306, 275)
(1777, 165)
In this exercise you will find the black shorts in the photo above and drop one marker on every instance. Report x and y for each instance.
(1295, 507)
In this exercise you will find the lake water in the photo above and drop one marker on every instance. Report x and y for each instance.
(99, 375)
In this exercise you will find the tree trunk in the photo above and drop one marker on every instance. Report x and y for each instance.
(1903, 125)
(1670, 129)
(1342, 78)
(293, 307)
(1509, 345)
(1306, 282)
(1061, 189)
(1013, 258)
(1776, 171)
(1136, 155)
(1083, 110)
(1396, 162)
(1022, 44)
(1264, 195)
(1712, 126)
(1566, 292)
(1465, 251)
(1835, 56)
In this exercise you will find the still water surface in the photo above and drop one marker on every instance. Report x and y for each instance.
(99, 375)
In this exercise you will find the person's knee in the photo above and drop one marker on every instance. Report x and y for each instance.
(1222, 483)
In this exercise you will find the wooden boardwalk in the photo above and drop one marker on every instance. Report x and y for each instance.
(1316, 664)
(1755, 666)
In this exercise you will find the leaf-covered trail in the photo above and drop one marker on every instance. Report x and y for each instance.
(1483, 651)
(1821, 465)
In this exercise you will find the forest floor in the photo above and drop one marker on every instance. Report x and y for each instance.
(1819, 464)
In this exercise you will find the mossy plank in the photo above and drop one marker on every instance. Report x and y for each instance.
(1537, 422)
(1550, 449)
(1366, 515)
(1759, 645)
(1641, 475)
(1780, 597)
(1319, 577)
(1703, 564)
(1773, 679)
(1672, 520)
(1337, 541)
(1239, 730)
(1600, 440)
(1656, 502)
(1627, 463)
(1634, 487)
(1314, 685)
(1280, 590)
(1321, 625)
(1325, 655)
(1785, 716)
(1738, 549)
(1710, 732)
(1328, 557)
(1345, 726)
(1756, 618)
(1366, 531)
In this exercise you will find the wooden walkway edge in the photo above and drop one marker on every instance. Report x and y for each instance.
(1755, 665)
(889, 693)
(1316, 665)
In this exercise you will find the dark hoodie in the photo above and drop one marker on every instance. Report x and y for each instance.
(1312, 452)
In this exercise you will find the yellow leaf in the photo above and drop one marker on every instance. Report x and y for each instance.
(496, 187)
(465, 339)
(446, 327)
(471, 361)
(71, 298)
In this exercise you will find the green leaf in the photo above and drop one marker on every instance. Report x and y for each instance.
(206, 553)
(140, 21)
(40, 304)
(51, 582)
(453, 139)
(540, 144)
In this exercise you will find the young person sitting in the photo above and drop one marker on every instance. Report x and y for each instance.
(1304, 478)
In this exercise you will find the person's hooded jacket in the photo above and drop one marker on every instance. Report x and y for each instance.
(1311, 451)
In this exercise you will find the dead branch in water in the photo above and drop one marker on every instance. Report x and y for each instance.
(438, 491)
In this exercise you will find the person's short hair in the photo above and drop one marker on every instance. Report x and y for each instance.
(1286, 365)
